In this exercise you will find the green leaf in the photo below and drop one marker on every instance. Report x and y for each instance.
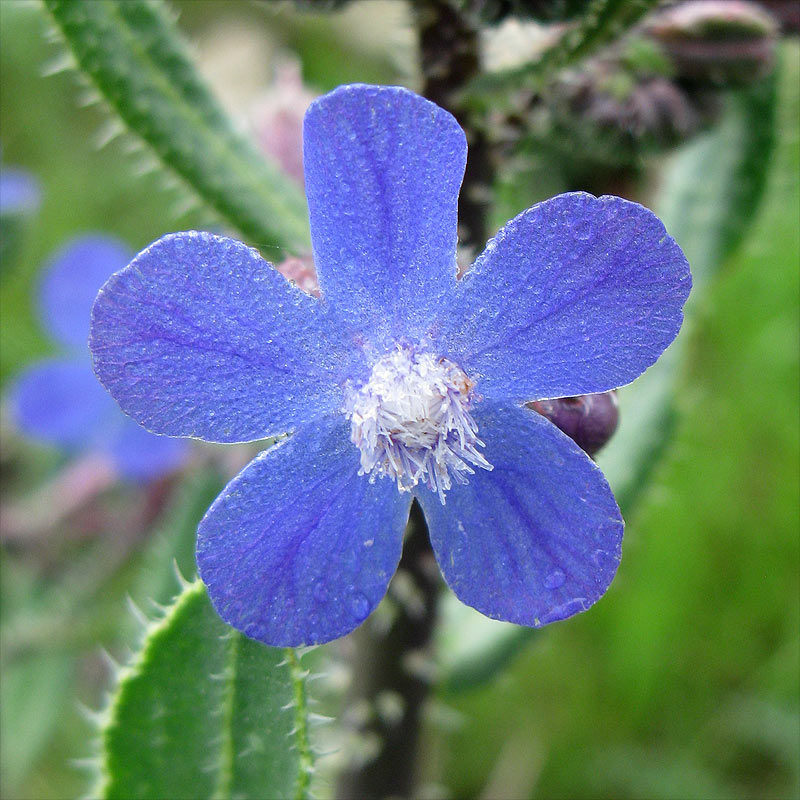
(206, 713)
(473, 649)
(34, 684)
(133, 54)
(713, 186)
(602, 22)
(710, 192)
(34, 694)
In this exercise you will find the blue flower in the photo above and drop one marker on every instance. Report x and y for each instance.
(58, 400)
(401, 382)
(20, 192)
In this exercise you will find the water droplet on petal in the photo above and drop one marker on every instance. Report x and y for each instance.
(555, 579)
(564, 611)
(359, 606)
(320, 591)
(313, 629)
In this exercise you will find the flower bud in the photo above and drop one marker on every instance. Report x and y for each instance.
(277, 118)
(588, 419)
(610, 115)
(721, 42)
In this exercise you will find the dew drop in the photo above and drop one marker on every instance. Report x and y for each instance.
(313, 629)
(565, 610)
(359, 606)
(320, 591)
(555, 579)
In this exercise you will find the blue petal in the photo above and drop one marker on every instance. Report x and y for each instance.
(60, 403)
(574, 296)
(141, 456)
(383, 167)
(71, 282)
(20, 192)
(200, 337)
(299, 548)
(538, 538)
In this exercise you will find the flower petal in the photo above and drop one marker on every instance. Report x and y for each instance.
(538, 538)
(142, 456)
(71, 282)
(60, 402)
(383, 167)
(299, 548)
(574, 296)
(200, 337)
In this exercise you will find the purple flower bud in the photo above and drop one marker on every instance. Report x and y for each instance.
(722, 43)
(610, 114)
(588, 419)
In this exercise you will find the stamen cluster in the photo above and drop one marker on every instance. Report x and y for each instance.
(411, 422)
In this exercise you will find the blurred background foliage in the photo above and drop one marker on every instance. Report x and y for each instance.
(683, 681)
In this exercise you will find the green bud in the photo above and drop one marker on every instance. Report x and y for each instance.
(719, 42)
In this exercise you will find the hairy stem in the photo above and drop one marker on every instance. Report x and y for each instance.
(390, 682)
(391, 676)
(448, 41)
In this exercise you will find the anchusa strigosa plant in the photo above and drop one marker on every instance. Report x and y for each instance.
(399, 382)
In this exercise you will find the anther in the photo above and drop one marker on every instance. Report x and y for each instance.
(411, 421)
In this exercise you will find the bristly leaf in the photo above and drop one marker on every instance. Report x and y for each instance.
(601, 23)
(710, 216)
(134, 56)
(205, 712)
(710, 194)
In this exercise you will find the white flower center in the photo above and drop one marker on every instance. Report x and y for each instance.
(411, 422)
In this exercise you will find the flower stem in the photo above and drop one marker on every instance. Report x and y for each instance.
(449, 51)
(302, 790)
(390, 680)
(392, 674)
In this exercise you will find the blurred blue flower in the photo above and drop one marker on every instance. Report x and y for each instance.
(58, 400)
(20, 192)
(400, 371)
